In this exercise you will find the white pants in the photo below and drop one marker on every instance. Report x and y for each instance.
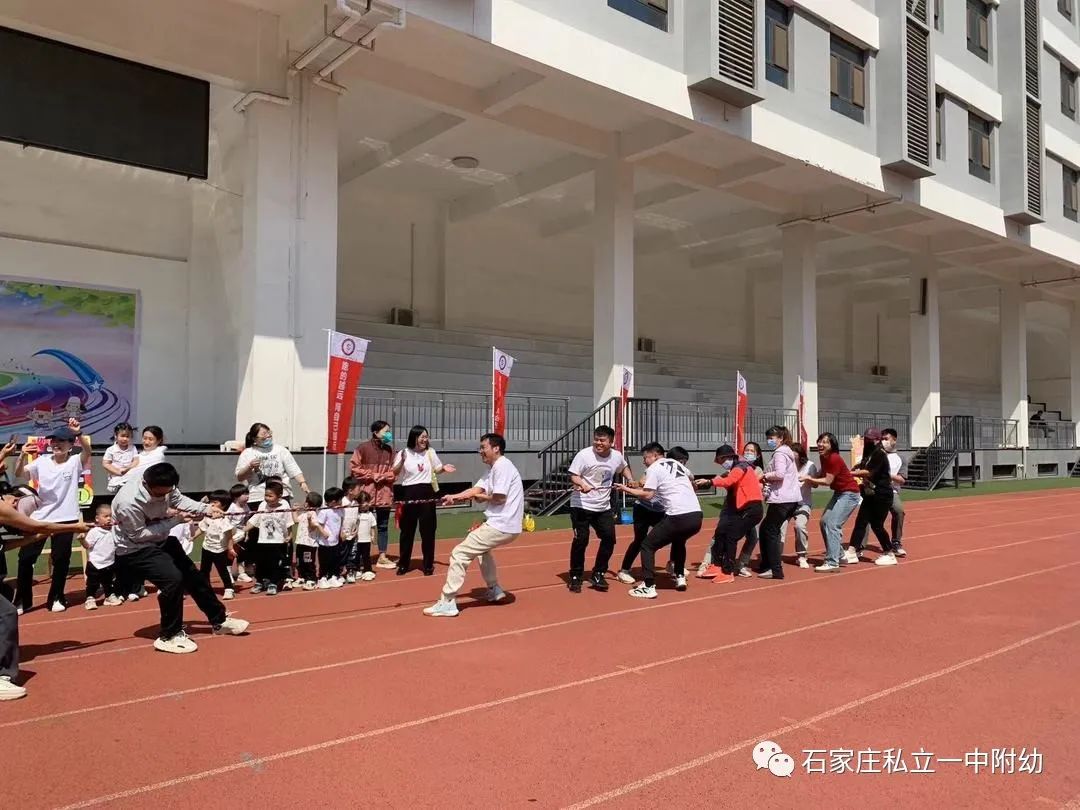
(480, 542)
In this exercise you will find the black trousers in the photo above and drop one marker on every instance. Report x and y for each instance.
(103, 578)
(603, 523)
(218, 560)
(9, 640)
(644, 519)
(272, 563)
(772, 541)
(172, 571)
(329, 561)
(347, 556)
(732, 527)
(61, 564)
(305, 562)
(413, 516)
(673, 530)
(872, 512)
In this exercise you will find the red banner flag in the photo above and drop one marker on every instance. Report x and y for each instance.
(620, 413)
(501, 364)
(802, 415)
(346, 363)
(741, 401)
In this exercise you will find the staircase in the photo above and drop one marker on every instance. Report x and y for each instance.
(929, 465)
(1075, 472)
(552, 490)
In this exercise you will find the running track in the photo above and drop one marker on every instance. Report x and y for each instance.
(338, 698)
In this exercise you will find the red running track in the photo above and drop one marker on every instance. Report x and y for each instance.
(564, 700)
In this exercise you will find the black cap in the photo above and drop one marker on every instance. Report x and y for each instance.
(726, 451)
(63, 434)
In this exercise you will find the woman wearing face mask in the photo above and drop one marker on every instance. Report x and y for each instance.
(784, 497)
(752, 456)
(873, 470)
(845, 500)
(373, 464)
(741, 513)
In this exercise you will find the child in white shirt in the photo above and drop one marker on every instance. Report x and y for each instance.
(185, 533)
(217, 543)
(274, 521)
(350, 521)
(120, 457)
(239, 513)
(307, 541)
(100, 545)
(365, 535)
(327, 525)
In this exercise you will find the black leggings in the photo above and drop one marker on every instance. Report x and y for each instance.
(732, 527)
(415, 515)
(644, 519)
(218, 560)
(873, 510)
(60, 552)
(329, 561)
(100, 578)
(305, 562)
(673, 530)
(772, 541)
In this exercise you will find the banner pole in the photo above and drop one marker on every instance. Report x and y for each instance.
(493, 356)
(329, 346)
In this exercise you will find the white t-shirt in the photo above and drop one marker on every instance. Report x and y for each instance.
(350, 517)
(600, 471)
(216, 533)
(329, 519)
(276, 462)
(186, 535)
(417, 467)
(58, 488)
(147, 459)
(101, 545)
(674, 484)
(365, 523)
(809, 469)
(305, 534)
(504, 479)
(273, 524)
(238, 515)
(118, 457)
(897, 466)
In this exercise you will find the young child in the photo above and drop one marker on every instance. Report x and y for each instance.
(239, 514)
(120, 457)
(274, 521)
(365, 535)
(327, 525)
(185, 533)
(217, 543)
(350, 521)
(100, 545)
(307, 541)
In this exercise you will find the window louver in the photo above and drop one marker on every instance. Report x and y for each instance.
(1034, 158)
(1031, 47)
(918, 94)
(917, 9)
(736, 41)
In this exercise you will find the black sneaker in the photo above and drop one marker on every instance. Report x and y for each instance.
(402, 571)
(429, 570)
(598, 581)
(575, 583)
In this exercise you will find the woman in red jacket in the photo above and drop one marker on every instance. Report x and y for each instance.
(742, 512)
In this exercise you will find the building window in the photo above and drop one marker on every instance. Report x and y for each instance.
(1066, 8)
(979, 132)
(847, 79)
(978, 28)
(652, 12)
(939, 127)
(1070, 180)
(939, 18)
(777, 42)
(1068, 92)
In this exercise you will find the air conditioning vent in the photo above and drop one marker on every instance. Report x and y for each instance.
(403, 317)
(737, 41)
(918, 110)
(1031, 47)
(1034, 158)
(647, 345)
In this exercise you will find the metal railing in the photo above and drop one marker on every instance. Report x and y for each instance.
(706, 427)
(1051, 435)
(456, 419)
(846, 424)
(995, 434)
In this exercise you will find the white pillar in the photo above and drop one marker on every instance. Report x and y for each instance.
(799, 285)
(925, 357)
(1014, 403)
(1074, 363)
(613, 277)
(288, 281)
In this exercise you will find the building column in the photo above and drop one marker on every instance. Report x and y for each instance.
(1074, 364)
(613, 277)
(799, 285)
(925, 357)
(286, 292)
(1014, 404)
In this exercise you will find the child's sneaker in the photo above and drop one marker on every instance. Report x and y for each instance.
(287, 585)
(643, 591)
(308, 585)
(271, 589)
(325, 584)
(258, 587)
(243, 577)
(229, 593)
(133, 597)
(336, 582)
(367, 576)
(112, 600)
(351, 577)
(91, 604)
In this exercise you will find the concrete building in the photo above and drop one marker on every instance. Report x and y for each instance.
(878, 198)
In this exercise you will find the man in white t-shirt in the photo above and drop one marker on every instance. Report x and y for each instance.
(593, 471)
(56, 478)
(673, 483)
(501, 490)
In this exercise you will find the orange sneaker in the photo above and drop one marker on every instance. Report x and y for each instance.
(710, 572)
(723, 579)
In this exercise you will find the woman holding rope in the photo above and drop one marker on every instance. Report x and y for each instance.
(417, 468)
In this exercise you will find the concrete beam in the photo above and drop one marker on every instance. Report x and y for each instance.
(642, 200)
(518, 186)
(400, 147)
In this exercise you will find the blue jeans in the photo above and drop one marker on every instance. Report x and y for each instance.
(382, 527)
(832, 522)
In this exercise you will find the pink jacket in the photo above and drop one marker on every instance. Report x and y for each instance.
(783, 477)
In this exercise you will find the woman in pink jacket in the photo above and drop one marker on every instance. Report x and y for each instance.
(784, 497)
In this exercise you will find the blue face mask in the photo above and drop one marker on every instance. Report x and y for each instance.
(727, 465)
(751, 457)
(387, 438)
(771, 443)
(265, 444)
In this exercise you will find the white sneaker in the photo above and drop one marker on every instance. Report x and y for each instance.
(886, 559)
(495, 594)
(231, 627)
(336, 582)
(367, 576)
(308, 585)
(243, 577)
(625, 577)
(179, 644)
(112, 600)
(851, 557)
(229, 593)
(385, 562)
(18, 611)
(643, 591)
(350, 577)
(443, 608)
(899, 552)
(680, 583)
(90, 604)
(287, 585)
(133, 597)
(803, 563)
(827, 568)
(10, 691)
(324, 584)
(57, 607)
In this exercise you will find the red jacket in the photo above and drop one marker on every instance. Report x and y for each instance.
(742, 484)
(371, 459)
